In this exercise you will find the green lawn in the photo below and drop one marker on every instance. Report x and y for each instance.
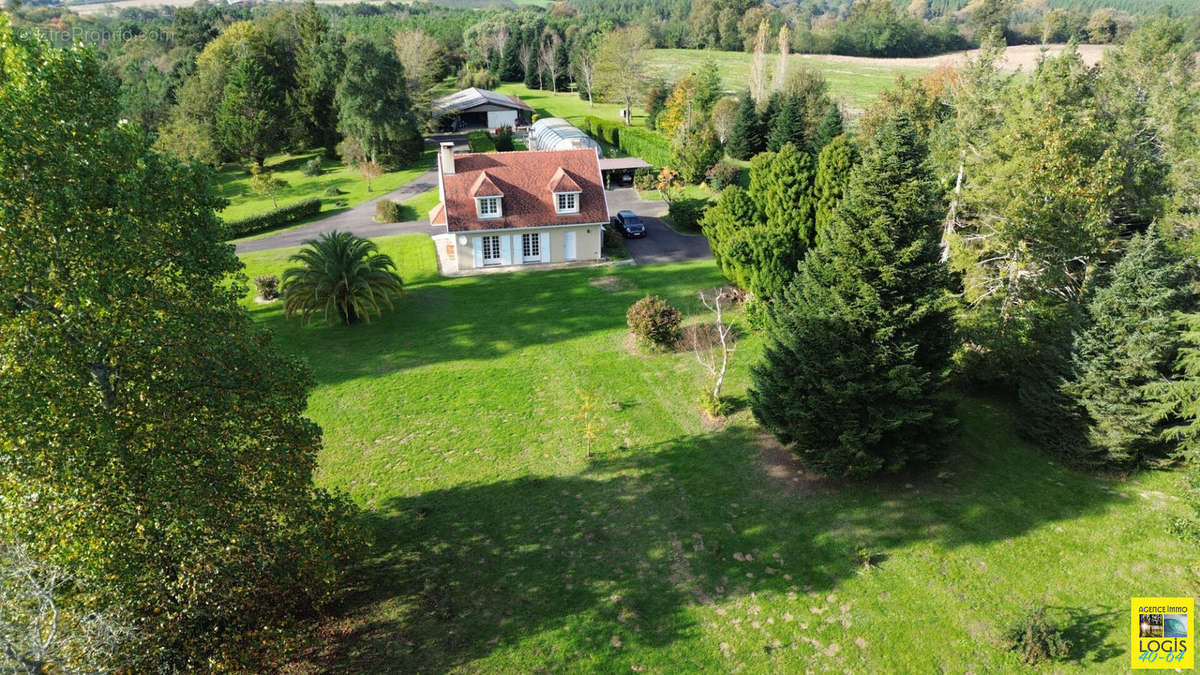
(853, 83)
(676, 546)
(233, 183)
(568, 105)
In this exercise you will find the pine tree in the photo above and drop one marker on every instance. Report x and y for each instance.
(728, 225)
(1179, 398)
(834, 163)
(745, 139)
(860, 343)
(319, 64)
(1129, 347)
(781, 183)
(829, 128)
(758, 236)
(788, 126)
(563, 67)
(250, 119)
(532, 78)
(510, 60)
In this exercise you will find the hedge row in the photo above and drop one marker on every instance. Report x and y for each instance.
(648, 145)
(284, 215)
(604, 130)
(481, 141)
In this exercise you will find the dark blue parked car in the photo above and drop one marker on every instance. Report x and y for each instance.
(629, 225)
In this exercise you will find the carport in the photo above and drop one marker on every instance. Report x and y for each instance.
(618, 171)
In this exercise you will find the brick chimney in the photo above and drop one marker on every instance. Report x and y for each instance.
(447, 158)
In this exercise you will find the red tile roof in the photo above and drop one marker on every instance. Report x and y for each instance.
(437, 215)
(484, 187)
(561, 182)
(525, 178)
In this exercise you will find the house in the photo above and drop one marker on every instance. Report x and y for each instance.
(511, 209)
(554, 133)
(475, 108)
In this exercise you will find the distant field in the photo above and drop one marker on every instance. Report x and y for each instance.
(854, 80)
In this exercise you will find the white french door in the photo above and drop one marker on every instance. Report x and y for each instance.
(531, 250)
(491, 250)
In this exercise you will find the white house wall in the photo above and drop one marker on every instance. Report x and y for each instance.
(587, 243)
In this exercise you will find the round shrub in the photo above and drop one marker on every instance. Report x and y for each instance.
(721, 175)
(654, 320)
(388, 211)
(332, 191)
(268, 286)
(1037, 639)
(312, 168)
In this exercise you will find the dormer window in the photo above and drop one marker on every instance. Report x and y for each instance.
(488, 207)
(566, 202)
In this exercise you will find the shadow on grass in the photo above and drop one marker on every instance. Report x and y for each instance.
(572, 567)
(1088, 631)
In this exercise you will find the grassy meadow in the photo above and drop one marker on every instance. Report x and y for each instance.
(854, 84)
(233, 183)
(501, 546)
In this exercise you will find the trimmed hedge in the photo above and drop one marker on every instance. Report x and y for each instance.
(649, 145)
(605, 130)
(481, 141)
(284, 215)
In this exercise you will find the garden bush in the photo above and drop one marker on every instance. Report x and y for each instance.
(482, 78)
(480, 141)
(503, 139)
(612, 238)
(721, 175)
(312, 168)
(284, 215)
(654, 320)
(645, 178)
(1037, 639)
(756, 314)
(685, 213)
(388, 211)
(332, 191)
(268, 286)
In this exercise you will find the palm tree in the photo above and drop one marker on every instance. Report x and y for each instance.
(340, 272)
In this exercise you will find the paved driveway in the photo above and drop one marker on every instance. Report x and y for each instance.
(358, 219)
(661, 243)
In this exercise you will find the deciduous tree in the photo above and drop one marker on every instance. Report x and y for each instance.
(621, 68)
(159, 449)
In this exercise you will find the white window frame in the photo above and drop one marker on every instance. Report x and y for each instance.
(490, 242)
(531, 248)
(558, 200)
(496, 201)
